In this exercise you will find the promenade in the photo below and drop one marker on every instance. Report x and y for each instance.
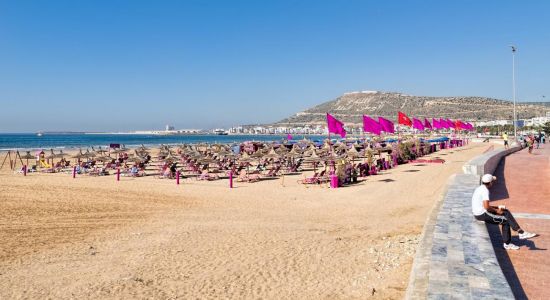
(523, 186)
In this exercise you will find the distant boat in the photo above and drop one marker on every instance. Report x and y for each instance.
(220, 132)
(39, 133)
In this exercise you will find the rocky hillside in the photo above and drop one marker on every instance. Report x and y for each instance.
(351, 106)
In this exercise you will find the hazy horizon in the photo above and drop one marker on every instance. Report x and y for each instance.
(109, 66)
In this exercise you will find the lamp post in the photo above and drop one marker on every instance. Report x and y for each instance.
(514, 88)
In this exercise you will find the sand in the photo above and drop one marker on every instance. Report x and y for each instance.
(93, 237)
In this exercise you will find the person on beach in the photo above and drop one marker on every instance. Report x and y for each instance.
(505, 138)
(496, 214)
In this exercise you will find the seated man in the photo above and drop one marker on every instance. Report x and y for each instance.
(496, 215)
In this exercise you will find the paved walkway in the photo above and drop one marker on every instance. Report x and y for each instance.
(524, 187)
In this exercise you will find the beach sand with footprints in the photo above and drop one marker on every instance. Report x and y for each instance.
(94, 237)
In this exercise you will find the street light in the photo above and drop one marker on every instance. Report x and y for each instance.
(514, 88)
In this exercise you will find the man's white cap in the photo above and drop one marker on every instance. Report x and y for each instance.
(488, 178)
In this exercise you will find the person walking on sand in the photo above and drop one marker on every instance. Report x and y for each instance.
(505, 138)
(496, 215)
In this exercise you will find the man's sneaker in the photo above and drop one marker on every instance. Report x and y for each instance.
(526, 235)
(511, 247)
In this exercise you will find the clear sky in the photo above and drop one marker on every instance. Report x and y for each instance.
(128, 65)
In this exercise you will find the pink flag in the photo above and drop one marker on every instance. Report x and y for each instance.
(335, 126)
(386, 124)
(450, 123)
(427, 124)
(443, 123)
(370, 125)
(418, 124)
(436, 124)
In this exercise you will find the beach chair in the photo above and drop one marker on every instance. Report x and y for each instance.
(323, 177)
(272, 172)
(207, 176)
(310, 180)
(94, 172)
(243, 177)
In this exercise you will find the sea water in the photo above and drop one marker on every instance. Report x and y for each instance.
(12, 141)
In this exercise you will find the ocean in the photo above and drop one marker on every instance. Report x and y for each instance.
(30, 141)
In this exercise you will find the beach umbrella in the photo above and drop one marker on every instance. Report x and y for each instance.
(282, 150)
(79, 155)
(312, 152)
(257, 154)
(293, 153)
(27, 157)
(341, 147)
(170, 157)
(142, 148)
(141, 153)
(352, 152)
(272, 154)
(102, 151)
(245, 158)
(60, 154)
(332, 157)
(89, 154)
(99, 150)
(52, 155)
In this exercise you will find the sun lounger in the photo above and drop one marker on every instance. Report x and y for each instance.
(208, 176)
(317, 178)
(243, 177)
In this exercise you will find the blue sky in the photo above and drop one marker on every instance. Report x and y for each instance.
(125, 65)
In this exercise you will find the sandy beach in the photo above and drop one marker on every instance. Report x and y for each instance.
(93, 237)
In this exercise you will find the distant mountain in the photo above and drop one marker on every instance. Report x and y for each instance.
(351, 106)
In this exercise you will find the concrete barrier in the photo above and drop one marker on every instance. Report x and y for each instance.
(487, 162)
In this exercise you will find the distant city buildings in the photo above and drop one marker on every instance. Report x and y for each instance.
(317, 129)
(538, 121)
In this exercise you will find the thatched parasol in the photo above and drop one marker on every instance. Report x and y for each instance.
(27, 157)
(89, 154)
(79, 155)
(61, 154)
(272, 154)
(99, 150)
(352, 152)
(52, 155)
(142, 148)
(282, 149)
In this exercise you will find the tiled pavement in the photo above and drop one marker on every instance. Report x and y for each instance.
(456, 259)
(524, 187)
